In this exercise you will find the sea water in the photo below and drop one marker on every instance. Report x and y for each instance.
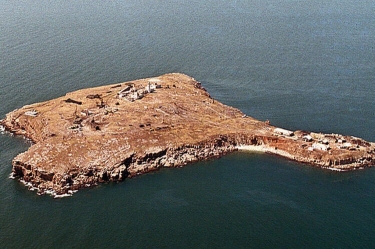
(299, 64)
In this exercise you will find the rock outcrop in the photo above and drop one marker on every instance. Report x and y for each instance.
(112, 132)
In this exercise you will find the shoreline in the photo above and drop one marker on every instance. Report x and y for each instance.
(262, 149)
(118, 131)
(265, 149)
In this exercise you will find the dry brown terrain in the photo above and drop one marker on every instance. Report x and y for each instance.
(116, 131)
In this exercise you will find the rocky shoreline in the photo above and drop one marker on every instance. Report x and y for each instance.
(110, 133)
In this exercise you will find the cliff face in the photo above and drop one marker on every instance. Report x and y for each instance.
(117, 131)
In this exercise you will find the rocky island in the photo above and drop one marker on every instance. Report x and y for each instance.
(116, 131)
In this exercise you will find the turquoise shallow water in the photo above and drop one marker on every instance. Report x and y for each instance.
(300, 64)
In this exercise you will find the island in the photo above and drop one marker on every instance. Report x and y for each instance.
(112, 132)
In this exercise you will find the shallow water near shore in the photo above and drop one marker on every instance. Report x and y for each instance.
(300, 64)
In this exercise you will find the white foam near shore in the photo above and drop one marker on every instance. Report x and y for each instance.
(47, 191)
(62, 196)
(335, 169)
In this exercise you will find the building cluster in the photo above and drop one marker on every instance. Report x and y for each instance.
(321, 141)
(32, 113)
(131, 93)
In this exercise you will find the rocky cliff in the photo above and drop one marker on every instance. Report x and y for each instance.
(112, 132)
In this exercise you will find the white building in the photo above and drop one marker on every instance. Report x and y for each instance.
(281, 131)
(319, 146)
(307, 138)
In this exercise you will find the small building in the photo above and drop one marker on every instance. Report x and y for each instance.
(341, 140)
(31, 113)
(135, 95)
(325, 141)
(320, 146)
(150, 88)
(307, 138)
(285, 132)
(345, 146)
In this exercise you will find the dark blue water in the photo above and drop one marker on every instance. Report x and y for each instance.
(301, 64)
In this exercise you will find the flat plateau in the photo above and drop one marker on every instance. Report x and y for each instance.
(116, 131)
